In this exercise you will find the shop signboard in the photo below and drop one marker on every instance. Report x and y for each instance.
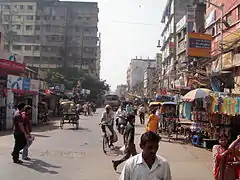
(199, 45)
(181, 23)
(21, 84)
(34, 85)
(6, 64)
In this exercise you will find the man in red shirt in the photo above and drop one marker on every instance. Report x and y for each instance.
(28, 128)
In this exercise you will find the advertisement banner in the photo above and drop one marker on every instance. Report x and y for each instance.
(199, 45)
(21, 84)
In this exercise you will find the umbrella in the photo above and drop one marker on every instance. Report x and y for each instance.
(196, 94)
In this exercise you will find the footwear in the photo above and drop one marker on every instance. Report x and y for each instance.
(114, 165)
(27, 159)
(17, 161)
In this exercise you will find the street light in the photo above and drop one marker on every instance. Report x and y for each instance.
(221, 7)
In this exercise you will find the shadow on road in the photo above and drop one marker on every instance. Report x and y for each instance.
(40, 135)
(41, 166)
(79, 129)
(46, 127)
(115, 152)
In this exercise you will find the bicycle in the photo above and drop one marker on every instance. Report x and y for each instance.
(106, 138)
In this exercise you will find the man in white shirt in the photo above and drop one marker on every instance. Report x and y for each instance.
(147, 165)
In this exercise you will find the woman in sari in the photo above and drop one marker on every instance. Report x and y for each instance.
(223, 158)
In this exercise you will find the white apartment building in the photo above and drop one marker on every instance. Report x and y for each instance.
(136, 70)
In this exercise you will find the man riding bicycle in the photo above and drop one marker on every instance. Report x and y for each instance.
(108, 120)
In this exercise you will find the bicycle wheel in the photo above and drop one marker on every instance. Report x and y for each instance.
(105, 144)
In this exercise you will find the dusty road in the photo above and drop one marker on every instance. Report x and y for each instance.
(76, 155)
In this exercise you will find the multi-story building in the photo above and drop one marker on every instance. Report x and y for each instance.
(150, 81)
(136, 71)
(193, 21)
(228, 62)
(52, 33)
(121, 90)
(173, 12)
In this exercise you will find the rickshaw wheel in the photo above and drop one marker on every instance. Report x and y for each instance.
(77, 124)
(61, 123)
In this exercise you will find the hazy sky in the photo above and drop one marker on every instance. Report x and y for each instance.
(129, 28)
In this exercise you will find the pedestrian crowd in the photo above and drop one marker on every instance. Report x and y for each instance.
(146, 165)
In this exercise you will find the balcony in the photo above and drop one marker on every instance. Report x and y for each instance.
(181, 47)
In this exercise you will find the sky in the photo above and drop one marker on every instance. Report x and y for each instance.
(128, 28)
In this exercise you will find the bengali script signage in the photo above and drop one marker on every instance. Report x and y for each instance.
(199, 45)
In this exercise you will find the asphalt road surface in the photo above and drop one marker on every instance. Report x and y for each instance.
(71, 154)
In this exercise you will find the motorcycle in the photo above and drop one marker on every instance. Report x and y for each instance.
(121, 123)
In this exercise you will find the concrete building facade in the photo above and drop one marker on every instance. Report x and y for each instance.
(150, 81)
(173, 12)
(52, 33)
(136, 71)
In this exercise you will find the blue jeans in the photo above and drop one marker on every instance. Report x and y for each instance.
(25, 149)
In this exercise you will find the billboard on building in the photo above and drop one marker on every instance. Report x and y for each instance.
(199, 45)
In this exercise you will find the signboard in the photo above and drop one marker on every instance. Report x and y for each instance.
(6, 64)
(181, 23)
(12, 57)
(21, 84)
(199, 45)
(190, 14)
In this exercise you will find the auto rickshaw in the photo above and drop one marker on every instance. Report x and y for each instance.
(69, 114)
(154, 105)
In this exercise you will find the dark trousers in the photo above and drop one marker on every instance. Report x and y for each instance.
(130, 150)
(142, 118)
(20, 143)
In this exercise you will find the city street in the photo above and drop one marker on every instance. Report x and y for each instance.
(70, 154)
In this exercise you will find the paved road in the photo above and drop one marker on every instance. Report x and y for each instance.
(76, 155)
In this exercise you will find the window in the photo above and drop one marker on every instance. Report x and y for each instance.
(16, 47)
(54, 18)
(86, 30)
(5, 47)
(30, 7)
(77, 29)
(18, 26)
(46, 18)
(38, 17)
(36, 48)
(62, 17)
(6, 17)
(29, 17)
(7, 7)
(48, 28)
(28, 27)
(37, 27)
(28, 48)
(19, 17)
(37, 37)
(21, 7)
(229, 18)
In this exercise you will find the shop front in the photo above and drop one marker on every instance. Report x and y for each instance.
(20, 89)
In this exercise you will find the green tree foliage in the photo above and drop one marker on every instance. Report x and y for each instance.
(70, 76)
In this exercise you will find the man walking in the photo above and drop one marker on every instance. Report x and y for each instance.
(128, 138)
(142, 114)
(28, 129)
(19, 132)
(147, 165)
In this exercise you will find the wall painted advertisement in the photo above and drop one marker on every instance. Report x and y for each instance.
(21, 84)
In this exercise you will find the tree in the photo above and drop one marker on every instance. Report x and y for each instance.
(70, 76)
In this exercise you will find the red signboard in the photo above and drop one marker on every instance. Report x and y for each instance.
(10, 65)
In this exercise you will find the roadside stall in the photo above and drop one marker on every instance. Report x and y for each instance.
(198, 127)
